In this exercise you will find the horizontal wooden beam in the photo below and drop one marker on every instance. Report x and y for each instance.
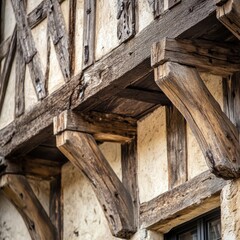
(144, 96)
(82, 150)
(131, 62)
(104, 127)
(228, 13)
(215, 58)
(185, 202)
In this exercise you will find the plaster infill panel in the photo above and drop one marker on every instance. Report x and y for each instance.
(152, 155)
(32, 4)
(106, 27)
(83, 216)
(145, 14)
(196, 160)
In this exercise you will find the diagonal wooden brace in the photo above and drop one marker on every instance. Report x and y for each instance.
(82, 150)
(17, 189)
(228, 13)
(215, 133)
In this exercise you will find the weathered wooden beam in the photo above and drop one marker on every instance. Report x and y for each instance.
(182, 203)
(104, 127)
(172, 3)
(30, 53)
(215, 133)
(131, 62)
(17, 189)
(129, 174)
(4, 46)
(89, 19)
(82, 150)
(215, 58)
(144, 96)
(126, 20)
(176, 147)
(7, 67)
(157, 7)
(228, 13)
(59, 36)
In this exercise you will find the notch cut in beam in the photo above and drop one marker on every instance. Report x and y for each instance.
(17, 189)
(82, 150)
(211, 57)
(215, 133)
(228, 13)
(103, 127)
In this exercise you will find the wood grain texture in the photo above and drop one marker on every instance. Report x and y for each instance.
(157, 7)
(211, 57)
(126, 20)
(185, 88)
(17, 189)
(182, 203)
(89, 28)
(176, 147)
(228, 13)
(104, 127)
(172, 3)
(82, 150)
(4, 46)
(59, 36)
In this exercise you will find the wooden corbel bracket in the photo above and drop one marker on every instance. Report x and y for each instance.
(75, 138)
(182, 84)
(228, 13)
(17, 189)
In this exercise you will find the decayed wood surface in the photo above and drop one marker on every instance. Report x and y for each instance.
(182, 203)
(82, 150)
(59, 36)
(216, 58)
(176, 147)
(185, 88)
(19, 82)
(4, 46)
(104, 127)
(129, 174)
(172, 3)
(17, 189)
(7, 67)
(228, 13)
(89, 27)
(126, 20)
(131, 62)
(30, 53)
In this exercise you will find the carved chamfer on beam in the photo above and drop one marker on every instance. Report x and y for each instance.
(103, 127)
(31, 56)
(126, 20)
(215, 133)
(59, 36)
(228, 13)
(82, 150)
(212, 57)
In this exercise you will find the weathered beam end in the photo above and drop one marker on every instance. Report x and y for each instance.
(215, 133)
(17, 189)
(82, 150)
(228, 13)
(207, 56)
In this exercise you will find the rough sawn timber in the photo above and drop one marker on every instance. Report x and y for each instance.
(185, 88)
(82, 150)
(131, 62)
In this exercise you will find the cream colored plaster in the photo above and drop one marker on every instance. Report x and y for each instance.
(83, 216)
(32, 4)
(152, 155)
(9, 20)
(79, 36)
(30, 94)
(144, 234)
(230, 211)
(65, 11)
(196, 160)
(8, 108)
(56, 79)
(145, 14)
(106, 27)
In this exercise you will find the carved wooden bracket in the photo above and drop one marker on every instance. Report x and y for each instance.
(75, 142)
(17, 189)
(228, 13)
(215, 133)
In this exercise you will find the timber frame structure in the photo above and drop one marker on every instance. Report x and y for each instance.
(159, 66)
